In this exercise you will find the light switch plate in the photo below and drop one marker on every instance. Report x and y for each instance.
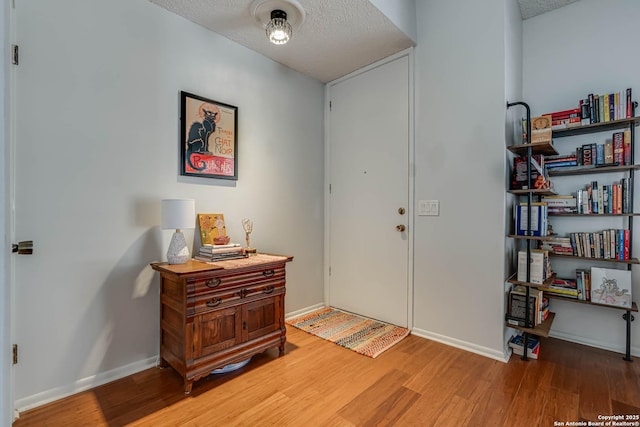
(429, 207)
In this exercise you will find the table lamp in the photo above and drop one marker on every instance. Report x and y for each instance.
(178, 214)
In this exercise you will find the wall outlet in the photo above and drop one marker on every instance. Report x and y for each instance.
(429, 207)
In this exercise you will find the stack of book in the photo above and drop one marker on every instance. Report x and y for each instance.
(561, 204)
(558, 245)
(567, 118)
(210, 253)
(533, 346)
(564, 288)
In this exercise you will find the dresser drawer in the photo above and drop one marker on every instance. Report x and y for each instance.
(207, 301)
(221, 280)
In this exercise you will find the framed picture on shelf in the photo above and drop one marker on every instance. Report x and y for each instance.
(611, 286)
(208, 138)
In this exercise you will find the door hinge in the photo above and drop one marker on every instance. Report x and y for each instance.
(329, 270)
(14, 54)
(330, 105)
(329, 188)
(15, 354)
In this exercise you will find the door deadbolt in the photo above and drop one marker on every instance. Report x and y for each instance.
(23, 248)
(401, 211)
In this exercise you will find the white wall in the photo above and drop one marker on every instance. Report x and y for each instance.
(598, 55)
(97, 147)
(513, 86)
(460, 160)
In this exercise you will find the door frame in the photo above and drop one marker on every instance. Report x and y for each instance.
(409, 53)
(7, 145)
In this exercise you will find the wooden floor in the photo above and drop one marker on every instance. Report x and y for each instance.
(416, 383)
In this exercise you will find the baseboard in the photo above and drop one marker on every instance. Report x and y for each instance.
(83, 384)
(463, 345)
(305, 310)
(635, 351)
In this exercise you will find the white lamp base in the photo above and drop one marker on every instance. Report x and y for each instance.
(178, 252)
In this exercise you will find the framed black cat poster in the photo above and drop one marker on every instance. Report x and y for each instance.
(208, 138)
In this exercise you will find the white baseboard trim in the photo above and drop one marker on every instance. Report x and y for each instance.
(635, 351)
(83, 384)
(305, 310)
(463, 345)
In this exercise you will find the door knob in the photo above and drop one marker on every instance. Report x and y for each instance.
(400, 228)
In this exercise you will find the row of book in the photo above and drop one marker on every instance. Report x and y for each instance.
(605, 244)
(519, 176)
(595, 108)
(539, 266)
(538, 307)
(539, 225)
(607, 107)
(601, 199)
(211, 253)
(616, 151)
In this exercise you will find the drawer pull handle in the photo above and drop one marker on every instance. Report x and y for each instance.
(268, 273)
(243, 293)
(213, 283)
(269, 289)
(214, 302)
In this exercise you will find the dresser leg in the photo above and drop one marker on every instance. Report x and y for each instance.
(187, 386)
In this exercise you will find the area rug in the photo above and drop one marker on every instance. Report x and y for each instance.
(362, 335)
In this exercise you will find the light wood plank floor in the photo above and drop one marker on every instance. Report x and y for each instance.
(416, 383)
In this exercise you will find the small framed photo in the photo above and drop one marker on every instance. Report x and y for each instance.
(208, 138)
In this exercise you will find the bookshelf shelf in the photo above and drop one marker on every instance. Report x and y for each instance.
(596, 215)
(513, 279)
(597, 127)
(541, 330)
(634, 306)
(535, 192)
(545, 148)
(528, 198)
(583, 170)
(610, 260)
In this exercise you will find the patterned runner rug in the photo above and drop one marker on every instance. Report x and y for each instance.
(362, 335)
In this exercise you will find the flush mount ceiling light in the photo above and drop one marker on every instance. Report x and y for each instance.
(278, 17)
(278, 29)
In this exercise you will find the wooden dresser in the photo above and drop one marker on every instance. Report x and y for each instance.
(212, 315)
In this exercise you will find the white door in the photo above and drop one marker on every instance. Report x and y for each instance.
(369, 200)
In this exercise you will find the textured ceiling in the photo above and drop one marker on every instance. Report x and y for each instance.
(336, 37)
(531, 8)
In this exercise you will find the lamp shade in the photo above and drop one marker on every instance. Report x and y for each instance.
(178, 213)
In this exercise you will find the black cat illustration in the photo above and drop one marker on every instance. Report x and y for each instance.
(198, 138)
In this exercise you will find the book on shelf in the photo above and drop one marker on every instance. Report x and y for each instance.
(562, 287)
(539, 222)
(611, 286)
(533, 346)
(517, 309)
(519, 177)
(540, 268)
(541, 129)
(558, 245)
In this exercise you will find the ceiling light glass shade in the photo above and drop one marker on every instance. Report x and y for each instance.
(278, 29)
